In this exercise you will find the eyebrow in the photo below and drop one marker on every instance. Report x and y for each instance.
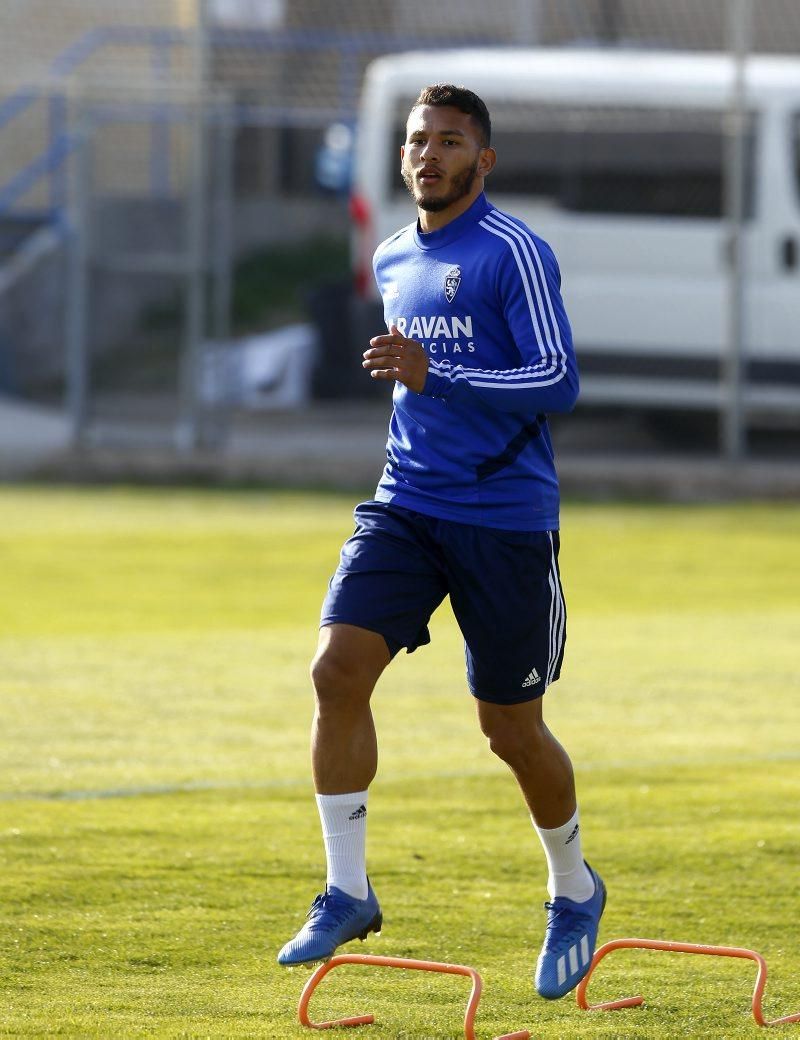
(441, 133)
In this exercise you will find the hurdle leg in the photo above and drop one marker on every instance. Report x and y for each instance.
(396, 962)
(679, 947)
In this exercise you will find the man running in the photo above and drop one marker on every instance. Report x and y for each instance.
(479, 349)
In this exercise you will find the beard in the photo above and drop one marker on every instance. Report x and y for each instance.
(460, 185)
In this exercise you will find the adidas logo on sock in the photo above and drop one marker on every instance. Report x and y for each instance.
(532, 679)
(359, 814)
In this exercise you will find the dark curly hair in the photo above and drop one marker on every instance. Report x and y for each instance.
(445, 94)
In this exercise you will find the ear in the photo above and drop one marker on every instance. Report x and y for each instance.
(486, 161)
(402, 152)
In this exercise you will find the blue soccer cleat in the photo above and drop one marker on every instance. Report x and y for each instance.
(334, 918)
(569, 942)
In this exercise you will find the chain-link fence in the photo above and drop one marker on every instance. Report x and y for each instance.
(176, 173)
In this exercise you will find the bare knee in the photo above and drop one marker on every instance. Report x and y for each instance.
(335, 679)
(511, 747)
(346, 667)
(512, 740)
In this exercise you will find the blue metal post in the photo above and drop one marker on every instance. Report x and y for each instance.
(57, 129)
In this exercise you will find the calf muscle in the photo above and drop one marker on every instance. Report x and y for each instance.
(344, 750)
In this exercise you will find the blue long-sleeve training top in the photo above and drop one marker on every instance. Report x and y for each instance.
(483, 297)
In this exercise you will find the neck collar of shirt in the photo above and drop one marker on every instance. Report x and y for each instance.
(443, 236)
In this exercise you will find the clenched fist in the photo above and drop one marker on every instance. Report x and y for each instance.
(394, 356)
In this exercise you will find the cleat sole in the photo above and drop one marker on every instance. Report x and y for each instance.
(375, 925)
(313, 964)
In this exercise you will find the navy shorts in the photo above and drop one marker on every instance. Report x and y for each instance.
(504, 588)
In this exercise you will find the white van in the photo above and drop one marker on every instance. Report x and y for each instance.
(617, 159)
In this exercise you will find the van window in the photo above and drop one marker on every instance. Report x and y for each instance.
(631, 161)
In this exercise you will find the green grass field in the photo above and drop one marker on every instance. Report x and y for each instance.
(158, 836)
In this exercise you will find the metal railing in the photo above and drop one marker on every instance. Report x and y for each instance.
(50, 163)
(350, 47)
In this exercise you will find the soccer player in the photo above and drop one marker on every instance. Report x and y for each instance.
(479, 349)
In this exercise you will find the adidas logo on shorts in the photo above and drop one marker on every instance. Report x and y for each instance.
(532, 679)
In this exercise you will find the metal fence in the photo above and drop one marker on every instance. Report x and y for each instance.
(145, 146)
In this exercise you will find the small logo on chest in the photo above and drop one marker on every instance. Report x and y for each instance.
(452, 280)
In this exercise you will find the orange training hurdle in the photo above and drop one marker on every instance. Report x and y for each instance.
(679, 947)
(396, 962)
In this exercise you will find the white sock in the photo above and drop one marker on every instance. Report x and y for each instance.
(567, 873)
(344, 830)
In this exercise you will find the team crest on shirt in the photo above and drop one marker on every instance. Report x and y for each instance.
(452, 280)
